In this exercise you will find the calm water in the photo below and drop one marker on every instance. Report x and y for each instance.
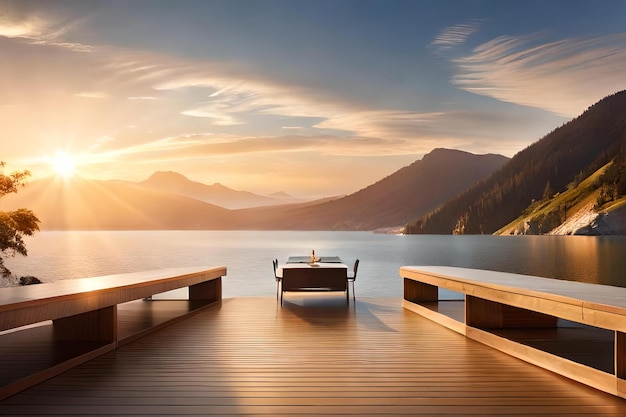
(248, 255)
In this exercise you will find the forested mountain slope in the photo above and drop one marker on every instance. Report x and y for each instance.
(567, 155)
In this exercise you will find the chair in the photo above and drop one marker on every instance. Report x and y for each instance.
(278, 279)
(352, 278)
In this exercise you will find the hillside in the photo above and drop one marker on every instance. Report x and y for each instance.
(81, 204)
(390, 202)
(217, 194)
(583, 209)
(569, 212)
(568, 154)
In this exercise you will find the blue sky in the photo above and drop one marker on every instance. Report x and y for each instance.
(315, 98)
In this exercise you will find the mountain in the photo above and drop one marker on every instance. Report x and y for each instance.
(81, 204)
(391, 202)
(565, 156)
(216, 194)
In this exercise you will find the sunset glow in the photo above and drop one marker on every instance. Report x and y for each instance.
(314, 98)
(63, 164)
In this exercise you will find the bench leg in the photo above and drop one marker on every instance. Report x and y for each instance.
(486, 314)
(620, 355)
(206, 291)
(416, 292)
(92, 326)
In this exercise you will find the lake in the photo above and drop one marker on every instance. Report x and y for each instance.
(248, 255)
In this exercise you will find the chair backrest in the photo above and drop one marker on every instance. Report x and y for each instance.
(356, 267)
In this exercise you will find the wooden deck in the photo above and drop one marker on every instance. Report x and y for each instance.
(575, 329)
(315, 356)
(49, 328)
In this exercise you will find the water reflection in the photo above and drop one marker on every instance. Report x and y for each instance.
(248, 254)
(611, 261)
(592, 259)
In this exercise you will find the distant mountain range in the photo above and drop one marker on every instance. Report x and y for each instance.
(217, 193)
(81, 204)
(168, 200)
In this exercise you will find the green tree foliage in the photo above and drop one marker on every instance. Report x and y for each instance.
(548, 191)
(567, 154)
(612, 183)
(14, 225)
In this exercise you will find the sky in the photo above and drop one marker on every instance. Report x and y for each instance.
(311, 97)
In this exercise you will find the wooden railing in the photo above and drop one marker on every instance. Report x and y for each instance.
(575, 329)
(61, 324)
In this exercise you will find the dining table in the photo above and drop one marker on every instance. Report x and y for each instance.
(326, 273)
(320, 259)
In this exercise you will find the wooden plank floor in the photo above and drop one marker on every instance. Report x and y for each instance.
(587, 345)
(33, 348)
(316, 356)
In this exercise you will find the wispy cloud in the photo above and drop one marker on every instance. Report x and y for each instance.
(563, 77)
(39, 28)
(24, 28)
(455, 35)
(167, 98)
(219, 118)
(92, 94)
(219, 97)
(385, 134)
(382, 123)
(238, 93)
(225, 95)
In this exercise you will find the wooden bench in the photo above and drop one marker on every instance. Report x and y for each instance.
(574, 329)
(52, 327)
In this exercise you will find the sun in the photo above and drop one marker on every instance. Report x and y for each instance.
(63, 164)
